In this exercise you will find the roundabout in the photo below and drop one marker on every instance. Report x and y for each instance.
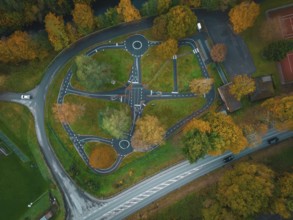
(136, 45)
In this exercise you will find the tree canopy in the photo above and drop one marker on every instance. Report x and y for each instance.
(159, 29)
(116, 122)
(191, 3)
(167, 49)
(219, 52)
(148, 132)
(243, 16)
(242, 85)
(56, 31)
(83, 17)
(92, 74)
(277, 50)
(128, 11)
(201, 86)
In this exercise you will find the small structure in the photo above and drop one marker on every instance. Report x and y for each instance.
(264, 88)
(232, 104)
(47, 216)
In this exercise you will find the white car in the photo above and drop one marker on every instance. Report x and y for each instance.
(25, 96)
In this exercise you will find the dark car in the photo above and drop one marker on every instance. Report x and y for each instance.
(228, 159)
(273, 140)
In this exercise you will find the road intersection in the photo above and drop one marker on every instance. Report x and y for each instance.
(80, 205)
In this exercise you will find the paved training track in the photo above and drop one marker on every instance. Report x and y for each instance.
(80, 205)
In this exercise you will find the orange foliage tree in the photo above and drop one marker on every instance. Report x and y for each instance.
(67, 113)
(201, 86)
(219, 52)
(83, 17)
(242, 85)
(148, 132)
(167, 49)
(243, 16)
(56, 31)
(128, 11)
(102, 156)
(17, 47)
(159, 29)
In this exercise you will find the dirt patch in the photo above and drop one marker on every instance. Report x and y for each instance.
(206, 181)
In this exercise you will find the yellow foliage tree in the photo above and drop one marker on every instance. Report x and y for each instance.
(201, 125)
(167, 49)
(280, 111)
(163, 6)
(242, 85)
(201, 86)
(56, 31)
(243, 16)
(191, 3)
(128, 11)
(83, 17)
(148, 132)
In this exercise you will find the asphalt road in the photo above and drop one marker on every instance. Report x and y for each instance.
(80, 205)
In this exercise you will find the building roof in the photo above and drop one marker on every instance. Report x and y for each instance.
(264, 88)
(232, 104)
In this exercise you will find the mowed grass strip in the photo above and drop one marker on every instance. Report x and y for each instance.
(120, 62)
(90, 123)
(101, 155)
(170, 111)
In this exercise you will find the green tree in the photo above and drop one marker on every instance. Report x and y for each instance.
(111, 17)
(149, 8)
(56, 31)
(92, 74)
(116, 122)
(163, 6)
(83, 17)
(181, 22)
(242, 85)
(243, 16)
(167, 49)
(191, 3)
(277, 51)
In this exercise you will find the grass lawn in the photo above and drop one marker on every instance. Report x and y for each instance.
(101, 155)
(170, 111)
(255, 44)
(119, 60)
(22, 180)
(157, 74)
(91, 121)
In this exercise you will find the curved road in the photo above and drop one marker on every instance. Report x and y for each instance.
(80, 205)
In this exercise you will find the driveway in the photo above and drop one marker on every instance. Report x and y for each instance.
(238, 60)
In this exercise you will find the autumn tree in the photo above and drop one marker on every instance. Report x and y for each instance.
(283, 203)
(148, 132)
(56, 31)
(128, 11)
(92, 74)
(71, 32)
(67, 112)
(201, 86)
(280, 111)
(242, 192)
(277, 50)
(227, 135)
(243, 16)
(167, 49)
(116, 122)
(163, 6)
(102, 156)
(159, 29)
(191, 3)
(17, 47)
(242, 85)
(83, 17)
(218, 53)
(181, 22)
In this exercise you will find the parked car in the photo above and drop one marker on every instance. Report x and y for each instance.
(273, 140)
(25, 96)
(228, 159)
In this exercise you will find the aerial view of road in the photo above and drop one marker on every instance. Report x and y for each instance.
(78, 203)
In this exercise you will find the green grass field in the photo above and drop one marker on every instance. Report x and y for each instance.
(170, 111)
(22, 183)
